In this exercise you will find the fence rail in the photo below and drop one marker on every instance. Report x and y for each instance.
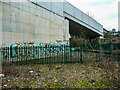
(63, 54)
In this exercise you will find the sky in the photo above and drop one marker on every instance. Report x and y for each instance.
(103, 11)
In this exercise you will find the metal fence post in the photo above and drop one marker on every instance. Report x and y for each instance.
(65, 57)
(0, 56)
(99, 54)
(81, 55)
(96, 52)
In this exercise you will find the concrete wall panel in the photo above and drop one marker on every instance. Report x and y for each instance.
(39, 11)
(58, 8)
(1, 12)
(6, 26)
(35, 24)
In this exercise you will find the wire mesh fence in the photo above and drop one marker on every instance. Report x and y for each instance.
(50, 55)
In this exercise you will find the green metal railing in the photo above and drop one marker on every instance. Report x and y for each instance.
(50, 55)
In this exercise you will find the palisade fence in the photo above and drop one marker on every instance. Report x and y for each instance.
(58, 54)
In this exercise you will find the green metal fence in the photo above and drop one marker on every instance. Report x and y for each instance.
(63, 54)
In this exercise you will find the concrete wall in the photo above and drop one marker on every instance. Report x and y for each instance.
(24, 21)
(0, 24)
(56, 7)
(66, 9)
(119, 16)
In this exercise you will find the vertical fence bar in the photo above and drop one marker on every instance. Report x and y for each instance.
(8, 54)
(1, 56)
(46, 54)
(99, 54)
(70, 53)
(20, 54)
(54, 59)
(17, 56)
(4, 55)
(62, 54)
(57, 53)
(37, 55)
(96, 53)
(66, 55)
(41, 48)
(78, 53)
(3, 51)
(109, 54)
(29, 54)
(33, 61)
(11, 53)
(22, 57)
(40, 54)
(50, 55)
(81, 57)
(25, 53)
